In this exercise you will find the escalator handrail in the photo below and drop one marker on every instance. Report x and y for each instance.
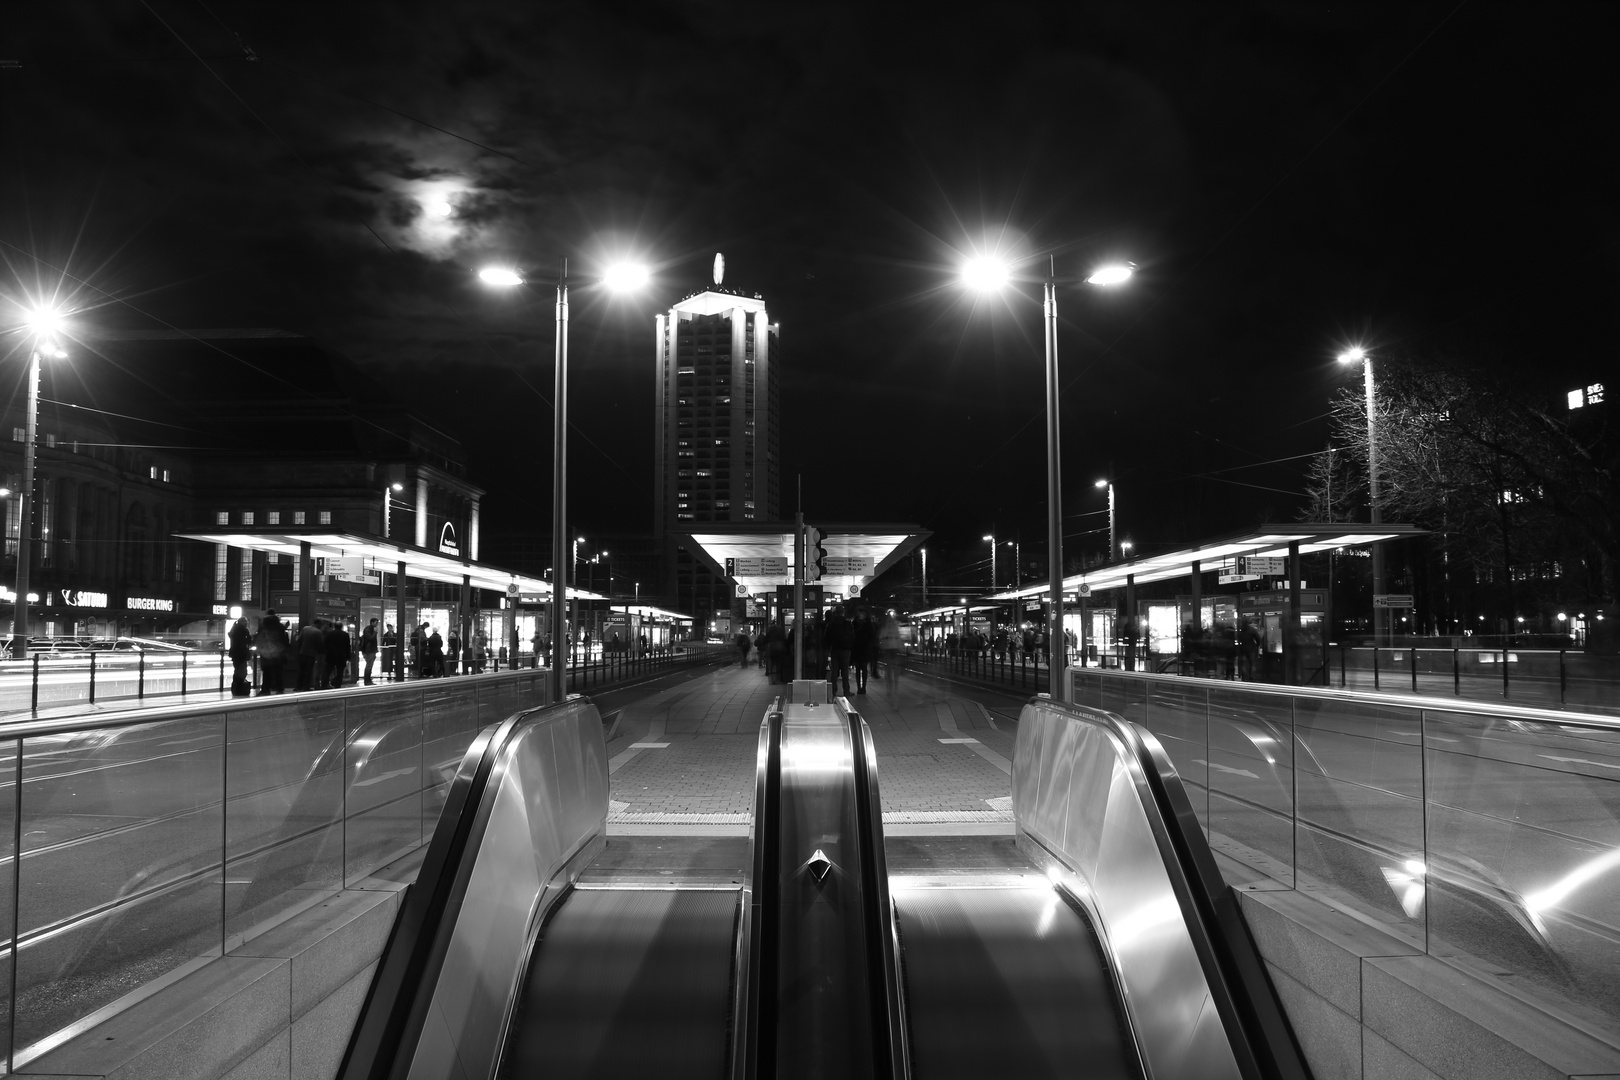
(395, 1007)
(753, 1048)
(1264, 1045)
(891, 1049)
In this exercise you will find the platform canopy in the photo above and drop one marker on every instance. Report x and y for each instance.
(883, 544)
(386, 555)
(1222, 553)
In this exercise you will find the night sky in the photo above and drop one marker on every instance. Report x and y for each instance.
(1288, 177)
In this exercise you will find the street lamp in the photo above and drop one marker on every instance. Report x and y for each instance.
(987, 274)
(1113, 546)
(623, 276)
(1356, 354)
(42, 324)
(991, 538)
(1018, 563)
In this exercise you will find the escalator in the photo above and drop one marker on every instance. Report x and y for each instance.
(1113, 953)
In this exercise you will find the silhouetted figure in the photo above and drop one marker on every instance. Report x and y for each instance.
(273, 646)
(862, 649)
(368, 649)
(338, 648)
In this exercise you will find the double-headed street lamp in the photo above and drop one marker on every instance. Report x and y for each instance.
(989, 275)
(1356, 354)
(43, 324)
(623, 277)
(1113, 545)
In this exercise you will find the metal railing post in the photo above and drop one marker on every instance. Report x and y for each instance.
(1504, 667)
(33, 705)
(183, 657)
(222, 667)
(140, 677)
(1375, 664)
(1342, 648)
(92, 678)
(1413, 653)
(1563, 676)
(1456, 671)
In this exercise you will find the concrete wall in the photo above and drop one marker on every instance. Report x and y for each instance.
(1368, 1006)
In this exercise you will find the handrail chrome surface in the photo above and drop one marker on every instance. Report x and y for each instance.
(1094, 800)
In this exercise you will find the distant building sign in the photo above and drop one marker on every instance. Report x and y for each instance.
(221, 609)
(447, 540)
(148, 603)
(80, 598)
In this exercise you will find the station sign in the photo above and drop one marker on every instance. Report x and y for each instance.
(81, 598)
(347, 568)
(324, 605)
(148, 603)
(860, 566)
(1232, 579)
(1083, 589)
(742, 590)
(766, 566)
(1392, 600)
(1270, 565)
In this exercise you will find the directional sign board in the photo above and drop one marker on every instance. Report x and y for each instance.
(767, 566)
(1257, 565)
(838, 564)
(534, 598)
(1392, 600)
(1229, 579)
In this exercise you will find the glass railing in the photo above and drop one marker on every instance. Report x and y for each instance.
(137, 846)
(1486, 835)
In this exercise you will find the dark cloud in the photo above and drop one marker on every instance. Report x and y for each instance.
(1286, 175)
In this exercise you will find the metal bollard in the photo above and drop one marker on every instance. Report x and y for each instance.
(1413, 653)
(1456, 671)
(1375, 664)
(183, 674)
(92, 678)
(140, 678)
(33, 704)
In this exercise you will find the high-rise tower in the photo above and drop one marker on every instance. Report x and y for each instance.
(719, 422)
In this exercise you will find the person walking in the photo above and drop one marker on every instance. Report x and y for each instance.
(452, 653)
(743, 645)
(390, 653)
(862, 647)
(837, 637)
(775, 653)
(338, 648)
(893, 652)
(273, 645)
(241, 639)
(368, 649)
(311, 647)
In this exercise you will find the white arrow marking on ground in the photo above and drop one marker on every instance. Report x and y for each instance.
(1225, 768)
(1581, 761)
(385, 776)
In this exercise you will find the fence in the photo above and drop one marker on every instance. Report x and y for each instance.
(1481, 833)
(1018, 672)
(136, 846)
(139, 675)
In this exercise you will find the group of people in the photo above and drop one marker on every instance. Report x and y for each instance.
(323, 654)
(836, 644)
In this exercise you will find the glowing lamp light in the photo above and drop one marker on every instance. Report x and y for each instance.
(1100, 484)
(985, 274)
(499, 275)
(1562, 616)
(624, 277)
(1354, 355)
(44, 321)
(439, 208)
(399, 487)
(1112, 274)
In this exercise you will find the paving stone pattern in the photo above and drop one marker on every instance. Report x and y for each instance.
(712, 727)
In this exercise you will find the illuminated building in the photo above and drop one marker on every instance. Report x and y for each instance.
(718, 426)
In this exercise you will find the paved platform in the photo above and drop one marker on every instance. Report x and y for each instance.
(682, 759)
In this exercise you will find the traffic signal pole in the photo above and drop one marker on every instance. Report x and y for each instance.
(798, 596)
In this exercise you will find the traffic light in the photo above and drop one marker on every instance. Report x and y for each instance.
(814, 554)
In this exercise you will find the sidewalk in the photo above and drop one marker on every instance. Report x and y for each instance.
(682, 761)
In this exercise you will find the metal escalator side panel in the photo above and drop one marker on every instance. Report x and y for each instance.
(882, 932)
(824, 1012)
(1103, 838)
(511, 838)
(753, 1024)
(1252, 994)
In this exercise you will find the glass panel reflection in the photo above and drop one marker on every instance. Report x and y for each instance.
(1251, 787)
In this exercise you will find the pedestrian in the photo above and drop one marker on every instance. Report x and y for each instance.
(337, 648)
(390, 652)
(480, 654)
(892, 650)
(862, 647)
(743, 645)
(435, 649)
(241, 642)
(452, 655)
(419, 650)
(837, 636)
(775, 653)
(759, 648)
(368, 648)
(311, 648)
(272, 645)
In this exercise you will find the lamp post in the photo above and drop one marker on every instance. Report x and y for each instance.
(43, 325)
(1375, 513)
(991, 539)
(988, 275)
(1018, 563)
(621, 277)
(1113, 545)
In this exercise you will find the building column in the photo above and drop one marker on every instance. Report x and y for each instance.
(1133, 631)
(402, 635)
(472, 532)
(421, 511)
(306, 571)
(1291, 629)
